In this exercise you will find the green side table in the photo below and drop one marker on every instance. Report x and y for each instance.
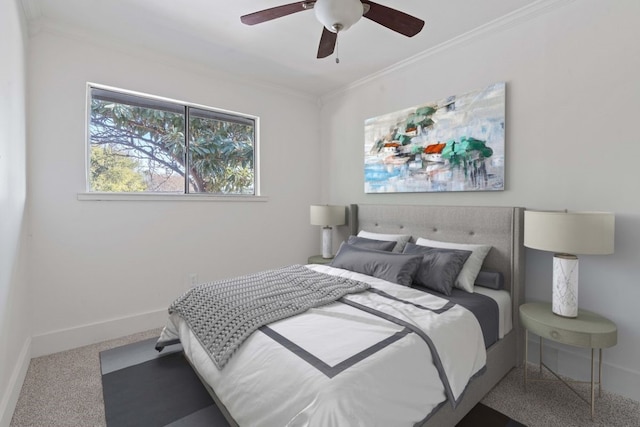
(587, 330)
(317, 259)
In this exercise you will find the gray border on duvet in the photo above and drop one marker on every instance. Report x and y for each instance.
(440, 310)
(434, 352)
(329, 370)
(441, 404)
(325, 368)
(484, 308)
(332, 371)
(425, 337)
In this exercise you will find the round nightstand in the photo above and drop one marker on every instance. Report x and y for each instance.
(317, 259)
(587, 330)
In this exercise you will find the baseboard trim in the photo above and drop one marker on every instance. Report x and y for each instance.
(574, 363)
(67, 339)
(11, 395)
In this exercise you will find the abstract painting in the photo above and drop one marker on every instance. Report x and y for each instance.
(454, 144)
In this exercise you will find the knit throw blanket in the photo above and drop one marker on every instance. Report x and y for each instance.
(223, 314)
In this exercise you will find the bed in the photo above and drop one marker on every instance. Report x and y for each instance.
(329, 391)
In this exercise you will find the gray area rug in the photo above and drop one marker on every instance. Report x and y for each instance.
(142, 387)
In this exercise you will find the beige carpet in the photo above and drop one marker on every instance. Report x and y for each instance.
(65, 389)
(551, 404)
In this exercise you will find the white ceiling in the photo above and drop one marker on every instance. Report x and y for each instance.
(280, 52)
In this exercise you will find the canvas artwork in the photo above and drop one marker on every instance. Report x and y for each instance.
(454, 144)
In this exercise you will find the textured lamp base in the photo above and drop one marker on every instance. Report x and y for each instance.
(327, 244)
(565, 285)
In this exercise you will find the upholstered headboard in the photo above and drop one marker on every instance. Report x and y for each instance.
(500, 227)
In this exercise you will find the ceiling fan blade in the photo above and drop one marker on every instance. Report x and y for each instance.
(393, 19)
(327, 43)
(276, 12)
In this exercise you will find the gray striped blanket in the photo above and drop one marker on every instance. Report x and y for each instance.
(223, 314)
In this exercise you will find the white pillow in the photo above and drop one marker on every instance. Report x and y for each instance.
(471, 268)
(401, 239)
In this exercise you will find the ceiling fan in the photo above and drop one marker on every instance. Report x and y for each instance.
(339, 15)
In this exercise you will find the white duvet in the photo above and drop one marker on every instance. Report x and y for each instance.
(338, 365)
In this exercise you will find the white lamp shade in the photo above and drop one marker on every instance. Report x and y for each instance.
(577, 233)
(327, 215)
(342, 12)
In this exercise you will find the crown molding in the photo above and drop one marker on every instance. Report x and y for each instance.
(503, 23)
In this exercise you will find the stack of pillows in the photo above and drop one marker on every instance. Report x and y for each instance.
(439, 266)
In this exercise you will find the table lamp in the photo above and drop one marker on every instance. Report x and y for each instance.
(568, 234)
(327, 216)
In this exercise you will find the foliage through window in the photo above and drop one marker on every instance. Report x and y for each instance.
(142, 144)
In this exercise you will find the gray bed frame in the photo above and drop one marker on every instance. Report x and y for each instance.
(500, 227)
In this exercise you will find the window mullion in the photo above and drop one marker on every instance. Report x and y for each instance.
(187, 160)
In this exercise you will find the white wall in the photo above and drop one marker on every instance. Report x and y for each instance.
(15, 310)
(572, 141)
(106, 269)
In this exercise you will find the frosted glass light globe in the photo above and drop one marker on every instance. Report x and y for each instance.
(338, 15)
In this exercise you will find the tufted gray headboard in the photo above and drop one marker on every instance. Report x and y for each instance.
(500, 227)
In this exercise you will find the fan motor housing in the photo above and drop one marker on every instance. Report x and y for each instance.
(338, 15)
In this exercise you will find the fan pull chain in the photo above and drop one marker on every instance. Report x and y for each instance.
(337, 52)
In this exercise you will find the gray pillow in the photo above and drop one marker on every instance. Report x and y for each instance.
(490, 279)
(439, 268)
(400, 239)
(379, 245)
(394, 267)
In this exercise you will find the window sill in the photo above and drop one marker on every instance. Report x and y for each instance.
(148, 197)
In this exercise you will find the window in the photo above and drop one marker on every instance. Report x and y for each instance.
(142, 144)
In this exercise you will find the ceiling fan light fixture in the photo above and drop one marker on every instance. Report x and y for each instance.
(338, 15)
